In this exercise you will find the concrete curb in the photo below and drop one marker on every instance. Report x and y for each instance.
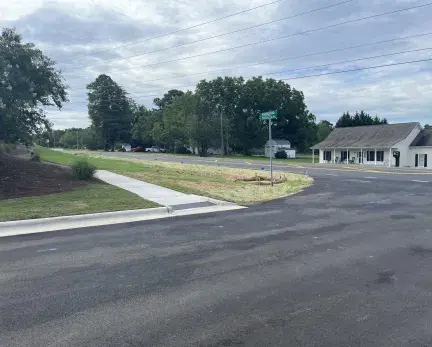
(31, 226)
(35, 226)
(221, 202)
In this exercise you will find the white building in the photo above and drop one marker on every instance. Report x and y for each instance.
(403, 144)
(279, 145)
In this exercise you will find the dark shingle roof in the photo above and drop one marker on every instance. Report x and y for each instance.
(424, 138)
(380, 136)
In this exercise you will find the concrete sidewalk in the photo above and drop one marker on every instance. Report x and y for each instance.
(151, 192)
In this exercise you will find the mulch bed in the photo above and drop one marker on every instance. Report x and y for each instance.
(23, 177)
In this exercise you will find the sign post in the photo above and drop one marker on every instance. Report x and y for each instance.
(269, 116)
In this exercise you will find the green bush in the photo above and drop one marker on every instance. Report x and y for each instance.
(183, 150)
(2, 148)
(83, 170)
(281, 155)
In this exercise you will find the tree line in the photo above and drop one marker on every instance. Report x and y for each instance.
(218, 113)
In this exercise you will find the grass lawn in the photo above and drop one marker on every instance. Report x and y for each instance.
(216, 182)
(92, 198)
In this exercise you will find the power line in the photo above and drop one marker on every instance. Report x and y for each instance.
(289, 58)
(294, 70)
(212, 37)
(175, 31)
(295, 57)
(358, 69)
(264, 41)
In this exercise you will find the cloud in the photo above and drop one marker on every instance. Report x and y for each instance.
(67, 30)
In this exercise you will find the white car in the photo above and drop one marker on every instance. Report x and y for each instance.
(155, 149)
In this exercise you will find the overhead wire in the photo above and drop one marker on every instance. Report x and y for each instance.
(211, 37)
(175, 31)
(307, 68)
(285, 59)
(267, 40)
(348, 70)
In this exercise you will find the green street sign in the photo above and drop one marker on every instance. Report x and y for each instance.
(268, 115)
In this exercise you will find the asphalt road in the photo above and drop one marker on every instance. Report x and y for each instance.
(345, 263)
(339, 172)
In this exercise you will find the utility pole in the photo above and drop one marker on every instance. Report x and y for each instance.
(222, 134)
(271, 153)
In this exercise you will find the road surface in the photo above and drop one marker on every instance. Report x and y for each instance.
(344, 263)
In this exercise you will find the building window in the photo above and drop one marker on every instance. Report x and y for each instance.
(380, 156)
(421, 160)
(370, 156)
(327, 155)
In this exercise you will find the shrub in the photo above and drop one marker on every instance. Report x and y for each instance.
(8, 147)
(183, 150)
(281, 155)
(83, 170)
(2, 148)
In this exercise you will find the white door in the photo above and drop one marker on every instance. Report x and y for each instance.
(421, 162)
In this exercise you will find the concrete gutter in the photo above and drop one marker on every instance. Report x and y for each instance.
(34, 226)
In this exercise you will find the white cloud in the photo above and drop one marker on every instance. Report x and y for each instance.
(66, 29)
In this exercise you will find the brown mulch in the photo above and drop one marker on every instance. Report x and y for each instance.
(22, 177)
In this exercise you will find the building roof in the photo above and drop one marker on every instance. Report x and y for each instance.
(368, 136)
(280, 142)
(424, 138)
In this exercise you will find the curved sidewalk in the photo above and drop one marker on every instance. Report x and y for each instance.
(160, 195)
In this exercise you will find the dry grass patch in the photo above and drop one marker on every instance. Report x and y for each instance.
(236, 185)
(219, 182)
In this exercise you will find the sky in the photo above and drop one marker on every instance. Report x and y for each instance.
(84, 37)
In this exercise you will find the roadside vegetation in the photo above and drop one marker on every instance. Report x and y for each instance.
(90, 198)
(237, 185)
(30, 189)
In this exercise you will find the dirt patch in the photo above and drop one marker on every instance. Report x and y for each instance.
(21, 177)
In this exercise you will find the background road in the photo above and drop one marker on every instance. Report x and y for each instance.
(342, 264)
(365, 173)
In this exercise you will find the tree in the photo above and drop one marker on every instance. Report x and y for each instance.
(201, 124)
(177, 118)
(70, 138)
(359, 119)
(28, 82)
(110, 110)
(344, 121)
(238, 103)
(324, 128)
(167, 98)
(145, 121)
(427, 126)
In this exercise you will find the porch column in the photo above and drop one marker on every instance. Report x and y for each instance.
(390, 157)
(347, 156)
(313, 156)
(334, 155)
(361, 156)
(375, 156)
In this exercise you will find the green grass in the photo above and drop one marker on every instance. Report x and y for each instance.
(93, 198)
(216, 182)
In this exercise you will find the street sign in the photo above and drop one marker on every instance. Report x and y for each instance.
(268, 115)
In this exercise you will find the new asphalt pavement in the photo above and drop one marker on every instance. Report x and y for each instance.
(347, 262)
